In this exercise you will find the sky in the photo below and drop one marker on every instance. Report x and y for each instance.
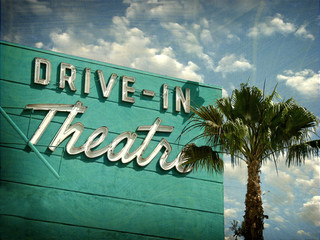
(216, 42)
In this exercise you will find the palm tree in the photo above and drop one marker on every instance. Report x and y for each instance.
(253, 128)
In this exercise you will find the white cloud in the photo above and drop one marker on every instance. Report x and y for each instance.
(11, 37)
(131, 48)
(311, 211)
(308, 176)
(280, 25)
(224, 93)
(204, 23)
(39, 44)
(306, 81)
(283, 192)
(188, 41)
(290, 184)
(272, 26)
(232, 63)
(164, 9)
(237, 172)
(233, 37)
(278, 219)
(68, 42)
(273, 178)
(277, 24)
(205, 37)
(231, 212)
(230, 200)
(35, 7)
(302, 32)
(303, 233)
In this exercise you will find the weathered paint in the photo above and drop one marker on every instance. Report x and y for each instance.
(96, 198)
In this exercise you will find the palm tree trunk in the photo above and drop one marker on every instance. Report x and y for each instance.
(253, 218)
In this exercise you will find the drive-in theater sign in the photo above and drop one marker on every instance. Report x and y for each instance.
(89, 151)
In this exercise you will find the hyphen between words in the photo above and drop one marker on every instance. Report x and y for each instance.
(99, 135)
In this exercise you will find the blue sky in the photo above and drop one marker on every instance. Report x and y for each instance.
(217, 42)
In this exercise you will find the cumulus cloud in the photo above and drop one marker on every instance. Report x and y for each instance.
(302, 32)
(232, 201)
(40, 8)
(205, 37)
(289, 184)
(35, 7)
(237, 172)
(308, 176)
(277, 24)
(69, 42)
(231, 212)
(306, 81)
(232, 63)
(12, 37)
(39, 44)
(188, 41)
(231, 36)
(224, 93)
(303, 233)
(289, 179)
(311, 211)
(273, 178)
(131, 48)
(278, 219)
(165, 10)
(272, 26)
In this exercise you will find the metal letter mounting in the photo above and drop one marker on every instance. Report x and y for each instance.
(99, 135)
(180, 99)
(65, 129)
(148, 93)
(90, 143)
(87, 80)
(64, 78)
(123, 154)
(106, 90)
(126, 89)
(165, 96)
(37, 71)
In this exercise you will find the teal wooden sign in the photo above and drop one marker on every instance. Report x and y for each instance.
(89, 150)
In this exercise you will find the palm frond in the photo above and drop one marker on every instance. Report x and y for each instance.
(206, 119)
(245, 103)
(298, 153)
(202, 157)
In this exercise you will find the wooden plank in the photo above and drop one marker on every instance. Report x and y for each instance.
(29, 228)
(101, 212)
(113, 180)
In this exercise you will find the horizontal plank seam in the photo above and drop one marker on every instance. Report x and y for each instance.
(82, 226)
(113, 197)
(79, 158)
